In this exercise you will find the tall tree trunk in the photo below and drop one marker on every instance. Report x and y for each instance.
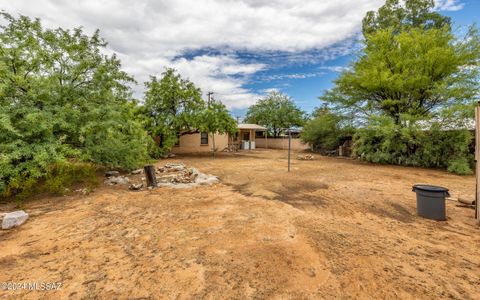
(213, 144)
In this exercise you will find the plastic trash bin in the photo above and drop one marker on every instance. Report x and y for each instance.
(431, 201)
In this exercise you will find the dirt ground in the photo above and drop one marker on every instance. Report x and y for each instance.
(332, 228)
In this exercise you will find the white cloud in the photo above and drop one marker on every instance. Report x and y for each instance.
(448, 5)
(291, 76)
(150, 35)
(334, 68)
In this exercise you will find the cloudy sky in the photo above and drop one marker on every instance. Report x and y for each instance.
(238, 49)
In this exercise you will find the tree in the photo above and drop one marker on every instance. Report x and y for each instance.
(413, 80)
(276, 111)
(61, 99)
(172, 107)
(326, 131)
(216, 119)
(415, 70)
(403, 15)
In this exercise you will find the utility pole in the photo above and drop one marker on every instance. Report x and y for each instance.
(209, 94)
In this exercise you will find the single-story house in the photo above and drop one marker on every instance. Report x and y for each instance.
(203, 142)
(248, 137)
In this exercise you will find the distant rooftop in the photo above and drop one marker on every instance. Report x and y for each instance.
(251, 126)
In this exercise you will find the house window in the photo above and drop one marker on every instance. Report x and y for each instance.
(204, 138)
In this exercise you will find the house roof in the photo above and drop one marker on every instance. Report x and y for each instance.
(251, 126)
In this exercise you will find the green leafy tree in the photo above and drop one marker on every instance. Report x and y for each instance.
(276, 111)
(216, 119)
(326, 131)
(415, 72)
(403, 15)
(61, 98)
(412, 71)
(172, 108)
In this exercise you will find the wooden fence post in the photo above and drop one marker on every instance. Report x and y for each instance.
(150, 175)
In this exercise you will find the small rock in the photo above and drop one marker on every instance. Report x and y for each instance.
(135, 172)
(305, 157)
(135, 187)
(171, 155)
(174, 167)
(206, 179)
(117, 180)
(112, 173)
(83, 191)
(14, 219)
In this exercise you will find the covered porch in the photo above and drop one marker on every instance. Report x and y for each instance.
(247, 134)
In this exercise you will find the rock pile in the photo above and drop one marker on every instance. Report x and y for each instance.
(177, 175)
(173, 175)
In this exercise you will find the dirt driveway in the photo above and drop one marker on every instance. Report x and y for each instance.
(332, 228)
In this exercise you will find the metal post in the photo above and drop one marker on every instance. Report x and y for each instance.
(289, 147)
(477, 163)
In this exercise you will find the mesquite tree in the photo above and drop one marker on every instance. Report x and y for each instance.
(216, 119)
(61, 98)
(276, 111)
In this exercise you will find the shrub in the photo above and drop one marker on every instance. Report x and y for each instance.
(61, 98)
(326, 131)
(384, 142)
(460, 166)
(65, 174)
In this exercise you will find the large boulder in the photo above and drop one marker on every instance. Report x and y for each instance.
(14, 219)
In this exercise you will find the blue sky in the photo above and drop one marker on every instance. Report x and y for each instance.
(238, 49)
(305, 91)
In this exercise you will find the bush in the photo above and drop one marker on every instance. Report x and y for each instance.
(55, 179)
(385, 142)
(65, 174)
(460, 166)
(54, 110)
(326, 131)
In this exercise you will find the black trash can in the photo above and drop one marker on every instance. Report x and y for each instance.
(431, 201)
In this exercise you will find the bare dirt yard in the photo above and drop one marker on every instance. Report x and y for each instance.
(332, 228)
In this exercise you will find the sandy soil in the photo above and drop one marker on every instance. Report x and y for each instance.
(332, 228)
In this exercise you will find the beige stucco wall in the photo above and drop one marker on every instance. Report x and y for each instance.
(271, 143)
(190, 143)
